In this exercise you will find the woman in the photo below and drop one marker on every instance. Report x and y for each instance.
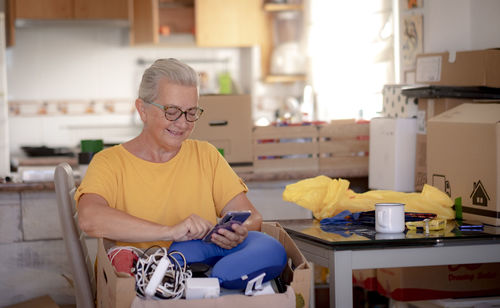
(161, 186)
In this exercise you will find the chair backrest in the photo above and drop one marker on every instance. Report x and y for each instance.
(74, 238)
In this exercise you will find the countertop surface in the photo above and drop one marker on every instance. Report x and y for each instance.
(245, 175)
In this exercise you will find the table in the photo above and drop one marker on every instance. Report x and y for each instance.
(360, 247)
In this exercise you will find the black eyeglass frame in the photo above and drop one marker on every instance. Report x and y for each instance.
(164, 108)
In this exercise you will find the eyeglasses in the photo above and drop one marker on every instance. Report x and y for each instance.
(173, 113)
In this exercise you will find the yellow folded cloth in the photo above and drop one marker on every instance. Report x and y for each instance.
(327, 197)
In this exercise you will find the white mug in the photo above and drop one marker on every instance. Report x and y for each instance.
(389, 217)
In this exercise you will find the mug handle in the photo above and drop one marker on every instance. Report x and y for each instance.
(380, 218)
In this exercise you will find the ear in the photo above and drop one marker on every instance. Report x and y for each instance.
(141, 109)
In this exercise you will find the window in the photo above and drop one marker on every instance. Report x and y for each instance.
(351, 47)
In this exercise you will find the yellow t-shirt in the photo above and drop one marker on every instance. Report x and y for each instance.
(197, 180)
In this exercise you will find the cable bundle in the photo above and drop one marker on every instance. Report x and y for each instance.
(173, 283)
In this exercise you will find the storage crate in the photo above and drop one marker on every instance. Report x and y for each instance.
(285, 148)
(344, 147)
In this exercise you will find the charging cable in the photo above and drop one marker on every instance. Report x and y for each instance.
(159, 275)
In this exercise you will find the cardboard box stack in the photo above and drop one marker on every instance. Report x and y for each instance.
(465, 68)
(477, 68)
(116, 290)
(463, 151)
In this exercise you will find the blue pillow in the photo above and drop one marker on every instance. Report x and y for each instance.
(258, 253)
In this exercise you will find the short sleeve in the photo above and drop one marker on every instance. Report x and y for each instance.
(227, 184)
(99, 179)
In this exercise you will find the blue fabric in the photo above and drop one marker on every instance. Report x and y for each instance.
(368, 218)
(346, 223)
(258, 253)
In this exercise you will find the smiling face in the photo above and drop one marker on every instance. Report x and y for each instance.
(166, 134)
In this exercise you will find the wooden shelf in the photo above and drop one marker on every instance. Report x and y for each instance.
(276, 7)
(284, 78)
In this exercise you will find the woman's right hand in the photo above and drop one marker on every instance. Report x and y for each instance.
(192, 228)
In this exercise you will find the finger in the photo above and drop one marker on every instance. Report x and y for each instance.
(240, 230)
(225, 242)
(229, 235)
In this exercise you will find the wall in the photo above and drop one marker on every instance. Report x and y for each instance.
(4, 135)
(73, 61)
(449, 25)
(454, 25)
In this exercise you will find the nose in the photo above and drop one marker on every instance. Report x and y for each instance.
(182, 121)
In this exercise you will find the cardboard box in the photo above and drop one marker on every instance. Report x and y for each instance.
(431, 107)
(420, 162)
(397, 105)
(463, 158)
(365, 278)
(116, 290)
(465, 68)
(435, 282)
(428, 108)
(392, 154)
(39, 302)
(227, 124)
(474, 302)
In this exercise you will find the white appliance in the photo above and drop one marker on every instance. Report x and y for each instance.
(4, 128)
(392, 154)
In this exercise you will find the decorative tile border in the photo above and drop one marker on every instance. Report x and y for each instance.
(70, 107)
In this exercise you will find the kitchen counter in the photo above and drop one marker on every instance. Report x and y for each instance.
(46, 161)
(246, 176)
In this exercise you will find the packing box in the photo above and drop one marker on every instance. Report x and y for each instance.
(490, 301)
(365, 278)
(117, 290)
(463, 158)
(428, 108)
(444, 281)
(465, 68)
(227, 124)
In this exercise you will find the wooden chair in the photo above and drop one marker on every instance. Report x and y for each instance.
(74, 238)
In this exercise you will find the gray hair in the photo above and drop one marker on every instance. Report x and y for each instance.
(173, 70)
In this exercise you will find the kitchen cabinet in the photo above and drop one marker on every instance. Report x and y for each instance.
(204, 23)
(70, 9)
(44, 9)
(64, 10)
(281, 28)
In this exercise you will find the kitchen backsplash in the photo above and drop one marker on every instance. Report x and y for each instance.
(74, 82)
(67, 130)
(70, 107)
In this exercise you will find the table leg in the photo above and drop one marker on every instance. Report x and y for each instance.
(340, 267)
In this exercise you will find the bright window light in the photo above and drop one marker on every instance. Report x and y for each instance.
(350, 44)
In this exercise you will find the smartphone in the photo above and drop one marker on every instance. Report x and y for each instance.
(467, 225)
(237, 217)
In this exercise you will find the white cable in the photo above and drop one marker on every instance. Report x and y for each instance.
(170, 280)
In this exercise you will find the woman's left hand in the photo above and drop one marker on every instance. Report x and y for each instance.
(227, 239)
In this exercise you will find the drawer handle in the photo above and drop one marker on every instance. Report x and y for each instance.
(218, 123)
